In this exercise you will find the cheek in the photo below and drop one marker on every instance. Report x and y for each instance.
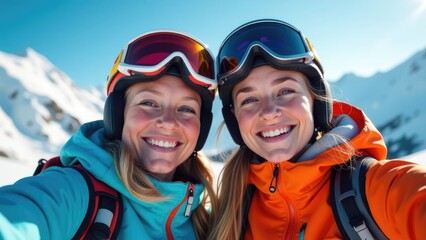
(302, 106)
(305, 112)
(133, 120)
(191, 127)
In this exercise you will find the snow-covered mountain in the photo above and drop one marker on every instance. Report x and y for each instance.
(394, 101)
(40, 107)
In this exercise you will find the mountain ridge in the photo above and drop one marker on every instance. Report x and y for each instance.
(42, 103)
(392, 101)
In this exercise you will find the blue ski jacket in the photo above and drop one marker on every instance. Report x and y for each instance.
(52, 205)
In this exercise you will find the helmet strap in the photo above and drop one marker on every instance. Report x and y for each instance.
(232, 125)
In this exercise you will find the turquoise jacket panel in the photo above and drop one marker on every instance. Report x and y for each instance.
(53, 204)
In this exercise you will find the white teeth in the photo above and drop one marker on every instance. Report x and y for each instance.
(161, 143)
(274, 133)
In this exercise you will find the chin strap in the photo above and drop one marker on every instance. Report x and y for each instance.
(315, 135)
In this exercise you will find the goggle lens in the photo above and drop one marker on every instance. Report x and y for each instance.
(150, 54)
(151, 49)
(283, 41)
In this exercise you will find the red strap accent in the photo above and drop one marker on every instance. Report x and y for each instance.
(55, 161)
(97, 190)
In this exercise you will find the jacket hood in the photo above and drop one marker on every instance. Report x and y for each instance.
(368, 141)
(85, 146)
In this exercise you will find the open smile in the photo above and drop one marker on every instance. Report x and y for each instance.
(161, 143)
(275, 133)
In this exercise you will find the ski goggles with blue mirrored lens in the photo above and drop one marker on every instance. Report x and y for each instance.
(151, 54)
(277, 42)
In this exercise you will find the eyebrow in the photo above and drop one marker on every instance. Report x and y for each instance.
(283, 79)
(275, 82)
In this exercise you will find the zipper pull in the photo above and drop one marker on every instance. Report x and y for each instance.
(190, 200)
(274, 180)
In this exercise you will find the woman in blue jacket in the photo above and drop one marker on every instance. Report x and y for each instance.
(156, 119)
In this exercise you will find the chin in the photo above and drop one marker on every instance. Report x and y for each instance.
(277, 160)
(278, 157)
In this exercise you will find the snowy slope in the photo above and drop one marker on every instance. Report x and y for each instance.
(394, 101)
(40, 106)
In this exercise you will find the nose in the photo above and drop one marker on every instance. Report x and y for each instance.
(167, 119)
(269, 109)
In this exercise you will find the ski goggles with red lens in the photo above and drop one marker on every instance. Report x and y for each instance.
(279, 43)
(151, 54)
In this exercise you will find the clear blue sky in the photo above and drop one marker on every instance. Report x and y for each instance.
(83, 37)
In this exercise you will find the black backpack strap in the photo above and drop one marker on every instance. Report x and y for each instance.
(248, 197)
(349, 203)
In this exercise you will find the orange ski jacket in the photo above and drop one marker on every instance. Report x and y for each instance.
(395, 190)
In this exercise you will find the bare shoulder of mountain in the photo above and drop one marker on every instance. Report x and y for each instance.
(41, 106)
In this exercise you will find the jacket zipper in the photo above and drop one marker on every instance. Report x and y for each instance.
(274, 180)
(292, 222)
(189, 198)
(273, 188)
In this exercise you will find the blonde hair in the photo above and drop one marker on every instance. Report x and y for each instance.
(135, 179)
(227, 221)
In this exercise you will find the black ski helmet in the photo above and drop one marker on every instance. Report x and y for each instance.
(280, 45)
(150, 56)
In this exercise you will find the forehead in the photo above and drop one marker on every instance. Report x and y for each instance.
(265, 75)
(166, 83)
(163, 83)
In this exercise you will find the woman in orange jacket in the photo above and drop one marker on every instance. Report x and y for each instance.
(278, 108)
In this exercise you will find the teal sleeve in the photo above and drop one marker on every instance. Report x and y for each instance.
(51, 205)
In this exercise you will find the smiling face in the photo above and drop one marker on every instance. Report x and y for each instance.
(274, 112)
(161, 124)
